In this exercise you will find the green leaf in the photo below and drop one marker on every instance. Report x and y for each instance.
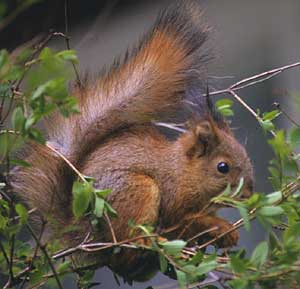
(271, 115)
(294, 137)
(64, 267)
(244, 214)
(274, 242)
(144, 228)
(110, 210)
(227, 191)
(35, 277)
(40, 90)
(4, 143)
(22, 212)
(226, 112)
(69, 105)
(275, 177)
(103, 193)
(239, 188)
(224, 101)
(81, 198)
(5, 90)
(260, 254)
(279, 145)
(254, 200)
(206, 267)
(69, 55)
(270, 211)
(273, 198)
(163, 263)
(173, 247)
(18, 119)
(19, 162)
(239, 283)
(267, 125)
(291, 232)
(4, 58)
(46, 53)
(30, 121)
(49, 68)
(23, 250)
(182, 279)
(198, 258)
(36, 134)
(3, 221)
(99, 207)
(237, 263)
(224, 106)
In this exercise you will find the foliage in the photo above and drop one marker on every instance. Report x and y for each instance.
(274, 262)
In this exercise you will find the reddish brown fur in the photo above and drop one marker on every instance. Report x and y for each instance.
(153, 180)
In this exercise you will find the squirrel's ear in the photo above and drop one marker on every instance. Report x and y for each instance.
(203, 139)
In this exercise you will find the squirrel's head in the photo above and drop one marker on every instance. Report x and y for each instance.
(213, 159)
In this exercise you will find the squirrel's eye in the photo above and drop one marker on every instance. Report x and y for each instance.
(223, 168)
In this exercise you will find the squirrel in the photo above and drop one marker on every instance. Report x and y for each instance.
(154, 180)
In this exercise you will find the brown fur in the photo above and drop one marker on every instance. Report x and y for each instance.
(153, 180)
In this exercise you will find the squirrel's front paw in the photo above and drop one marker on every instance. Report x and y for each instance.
(228, 240)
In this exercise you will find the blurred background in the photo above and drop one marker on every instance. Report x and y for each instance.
(248, 37)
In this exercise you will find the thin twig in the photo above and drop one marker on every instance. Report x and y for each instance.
(247, 107)
(244, 104)
(80, 175)
(202, 233)
(43, 249)
(30, 267)
(264, 75)
(11, 277)
(16, 218)
(102, 246)
(255, 79)
(110, 228)
(252, 81)
(67, 39)
(278, 106)
(11, 256)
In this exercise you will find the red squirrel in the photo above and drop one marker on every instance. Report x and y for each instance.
(154, 180)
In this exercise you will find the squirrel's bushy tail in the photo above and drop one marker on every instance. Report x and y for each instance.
(150, 82)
